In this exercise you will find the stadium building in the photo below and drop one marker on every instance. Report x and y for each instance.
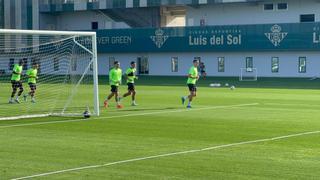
(279, 38)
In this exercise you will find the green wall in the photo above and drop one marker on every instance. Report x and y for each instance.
(266, 37)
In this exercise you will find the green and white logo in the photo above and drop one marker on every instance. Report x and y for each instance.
(276, 36)
(160, 38)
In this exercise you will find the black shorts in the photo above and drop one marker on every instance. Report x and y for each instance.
(131, 86)
(16, 84)
(32, 86)
(114, 88)
(192, 87)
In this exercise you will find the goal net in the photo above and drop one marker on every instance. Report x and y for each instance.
(66, 80)
(248, 74)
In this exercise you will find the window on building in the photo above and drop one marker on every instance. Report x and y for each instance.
(197, 58)
(74, 64)
(11, 64)
(111, 62)
(275, 64)
(202, 22)
(94, 25)
(268, 7)
(56, 64)
(221, 64)
(302, 64)
(249, 64)
(25, 63)
(174, 64)
(190, 22)
(67, 1)
(37, 61)
(143, 65)
(307, 18)
(282, 6)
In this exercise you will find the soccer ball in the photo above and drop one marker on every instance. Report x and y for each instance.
(227, 85)
(232, 87)
(86, 114)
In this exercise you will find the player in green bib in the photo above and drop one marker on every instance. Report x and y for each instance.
(115, 78)
(16, 82)
(193, 77)
(131, 77)
(32, 81)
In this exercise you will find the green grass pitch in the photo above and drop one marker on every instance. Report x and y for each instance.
(160, 125)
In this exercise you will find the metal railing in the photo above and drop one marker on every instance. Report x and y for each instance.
(67, 5)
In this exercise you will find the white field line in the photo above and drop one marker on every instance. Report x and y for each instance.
(129, 115)
(168, 154)
(24, 117)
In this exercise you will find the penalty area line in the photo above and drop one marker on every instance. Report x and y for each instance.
(129, 115)
(168, 154)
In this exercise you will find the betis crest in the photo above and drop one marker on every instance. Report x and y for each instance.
(160, 38)
(276, 36)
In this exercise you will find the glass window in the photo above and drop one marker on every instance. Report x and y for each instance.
(11, 64)
(307, 18)
(111, 62)
(197, 58)
(37, 61)
(2, 14)
(202, 22)
(268, 7)
(67, 1)
(302, 64)
(25, 63)
(275, 64)
(282, 6)
(56, 64)
(174, 64)
(74, 64)
(94, 25)
(249, 64)
(143, 65)
(221, 64)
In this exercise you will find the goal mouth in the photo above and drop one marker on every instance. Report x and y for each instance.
(248, 74)
(65, 82)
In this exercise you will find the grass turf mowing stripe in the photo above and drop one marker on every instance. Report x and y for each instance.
(128, 115)
(282, 104)
(169, 154)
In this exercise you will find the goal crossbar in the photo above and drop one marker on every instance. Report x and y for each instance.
(46, 32)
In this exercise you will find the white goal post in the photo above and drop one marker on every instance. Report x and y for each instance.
(248, 74)
(67, 82)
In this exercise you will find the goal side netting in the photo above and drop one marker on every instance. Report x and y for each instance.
(67, 77)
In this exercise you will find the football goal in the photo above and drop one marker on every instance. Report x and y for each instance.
(65, 82)
(248, 74)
